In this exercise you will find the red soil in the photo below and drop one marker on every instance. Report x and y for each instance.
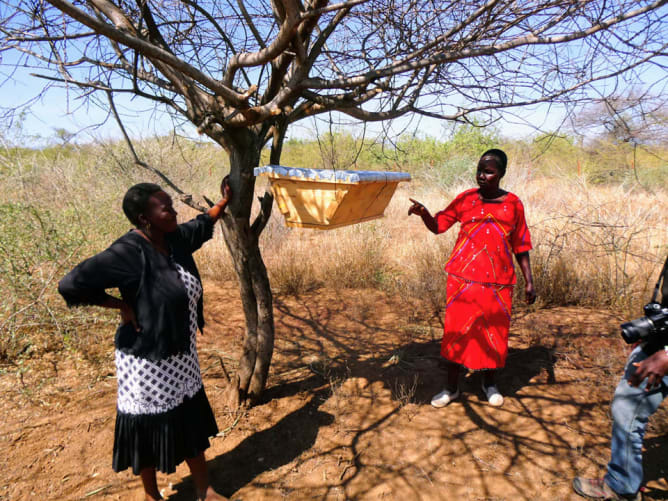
(346, 412)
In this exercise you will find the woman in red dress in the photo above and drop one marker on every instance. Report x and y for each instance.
(481, 275)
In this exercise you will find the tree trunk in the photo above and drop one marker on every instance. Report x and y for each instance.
(242, 241)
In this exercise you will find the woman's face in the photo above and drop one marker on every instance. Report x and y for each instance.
(160, 212)
(488, 175)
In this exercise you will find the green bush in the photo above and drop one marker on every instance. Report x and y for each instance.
(36, 247)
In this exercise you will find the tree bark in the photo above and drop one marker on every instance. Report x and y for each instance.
(242, 240)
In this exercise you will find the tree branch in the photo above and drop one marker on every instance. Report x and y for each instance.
(452, 55)
(185, 198)
(285, 34)
(251, 24)
(150, 50)
(261, 220)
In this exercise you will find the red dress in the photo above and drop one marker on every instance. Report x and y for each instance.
(481, 277)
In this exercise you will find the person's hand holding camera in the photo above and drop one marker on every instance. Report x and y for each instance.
(654, 368)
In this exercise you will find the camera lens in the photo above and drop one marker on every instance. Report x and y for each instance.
(636, 330)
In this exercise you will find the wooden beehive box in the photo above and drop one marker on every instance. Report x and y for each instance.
(326, 199)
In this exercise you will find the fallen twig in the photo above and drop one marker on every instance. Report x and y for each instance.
(96, 491)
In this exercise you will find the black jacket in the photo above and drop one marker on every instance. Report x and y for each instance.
(149, 282)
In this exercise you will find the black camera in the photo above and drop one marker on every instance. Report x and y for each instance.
(652, 329)
(652, 326)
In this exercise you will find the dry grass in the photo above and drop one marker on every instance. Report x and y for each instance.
(58, 206)
(594, 245)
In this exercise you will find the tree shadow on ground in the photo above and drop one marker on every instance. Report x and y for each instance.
(413, 372)
(522, 366)
(656, 466)
(329, 344)
(264, 450)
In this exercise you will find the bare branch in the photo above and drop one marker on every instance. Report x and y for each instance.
(33, 39)
(439, 58)
(261, 220)
(219, 30)
(150, 50)
(185, 198)
(251, 24)
(287, 31)
(372, 59)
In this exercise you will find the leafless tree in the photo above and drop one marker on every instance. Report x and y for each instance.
(242, 71)
(638, 118)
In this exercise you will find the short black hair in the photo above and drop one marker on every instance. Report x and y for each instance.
(500, 157)
(136, 200)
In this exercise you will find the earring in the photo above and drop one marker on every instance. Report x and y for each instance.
(148, 227)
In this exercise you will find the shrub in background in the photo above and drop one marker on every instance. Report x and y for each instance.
(595, 245)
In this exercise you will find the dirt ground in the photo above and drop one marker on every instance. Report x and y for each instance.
(346, 412)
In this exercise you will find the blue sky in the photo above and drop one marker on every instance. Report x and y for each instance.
(61, 108)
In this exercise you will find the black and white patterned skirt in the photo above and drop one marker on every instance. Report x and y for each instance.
(163, 415)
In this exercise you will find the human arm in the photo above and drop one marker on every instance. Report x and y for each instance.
(118, 266)
(520, 241)
(217, 210)
(192, 234)
(442, 220)
(125, 310)
(525, 265)
(654, 368)
(420, 210)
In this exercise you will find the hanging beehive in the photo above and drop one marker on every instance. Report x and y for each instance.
(326, 199)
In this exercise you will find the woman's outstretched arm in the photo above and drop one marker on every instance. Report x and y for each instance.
(226, 192)
(420, 210)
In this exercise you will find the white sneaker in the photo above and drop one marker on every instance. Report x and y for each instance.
(444, 398)
(493, 396)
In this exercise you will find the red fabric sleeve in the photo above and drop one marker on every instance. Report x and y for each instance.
(520, 238)
(448, 216)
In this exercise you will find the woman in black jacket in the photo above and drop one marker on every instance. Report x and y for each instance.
(163, 415)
